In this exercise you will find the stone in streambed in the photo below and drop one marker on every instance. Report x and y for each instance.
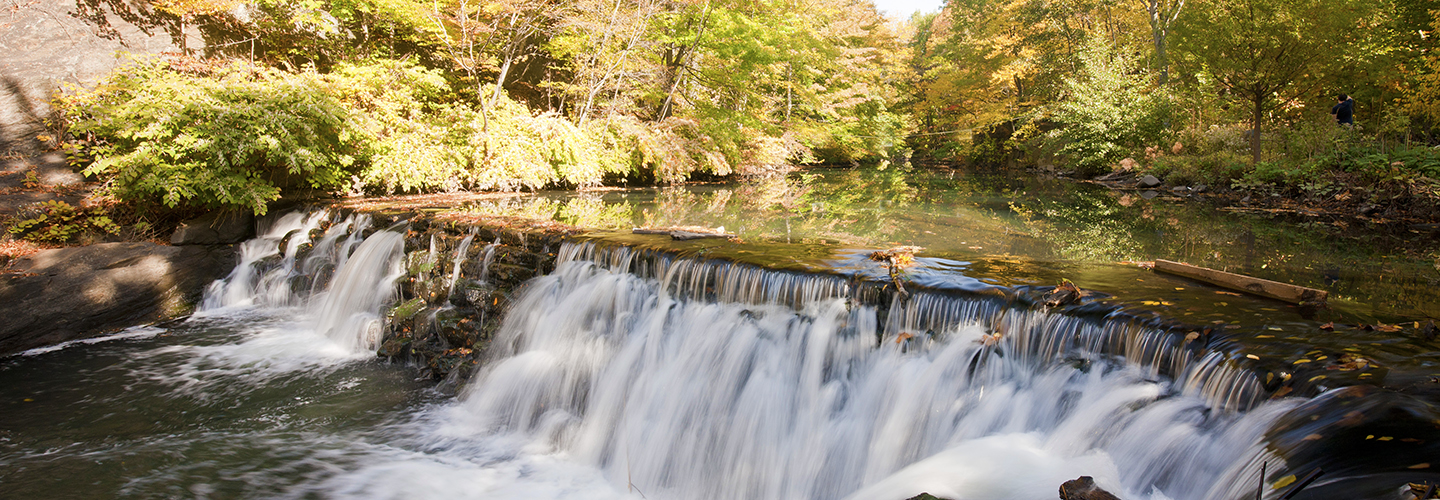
(1084, 488)
(1149, 181)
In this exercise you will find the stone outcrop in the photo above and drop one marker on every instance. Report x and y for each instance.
(74, 293)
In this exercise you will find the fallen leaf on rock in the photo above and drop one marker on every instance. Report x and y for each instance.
(903, 337)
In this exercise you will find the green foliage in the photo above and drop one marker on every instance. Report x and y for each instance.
(57, 222)
(1107, 112)
(235, 138)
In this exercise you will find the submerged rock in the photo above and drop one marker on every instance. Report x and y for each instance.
(1084, 488)
(75, 293)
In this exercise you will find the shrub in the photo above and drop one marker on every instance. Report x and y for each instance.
(234, 138)
(1106, 113)
(58, 222)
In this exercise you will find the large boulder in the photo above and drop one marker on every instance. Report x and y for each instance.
(74, 293)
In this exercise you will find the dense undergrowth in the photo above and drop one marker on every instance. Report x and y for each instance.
(235, 134)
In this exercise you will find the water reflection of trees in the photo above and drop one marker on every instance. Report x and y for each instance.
(1016, 224)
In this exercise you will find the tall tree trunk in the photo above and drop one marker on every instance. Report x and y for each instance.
(504, 70)
(1255, 129)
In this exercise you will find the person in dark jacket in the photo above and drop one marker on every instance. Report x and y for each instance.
(1344, 111)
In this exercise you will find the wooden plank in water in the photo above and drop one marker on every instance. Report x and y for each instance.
(1262, 287)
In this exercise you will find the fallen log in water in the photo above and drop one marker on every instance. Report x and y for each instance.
(1262, 287)
(687, 233)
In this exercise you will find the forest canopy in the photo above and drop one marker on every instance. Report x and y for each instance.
(393, 96)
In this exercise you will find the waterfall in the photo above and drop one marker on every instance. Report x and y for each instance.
(804, 393)
(1038, 335)
(489, 259)
(460, 254)
(342, 279)
(350, 310)
(259, 277)
(678, 376)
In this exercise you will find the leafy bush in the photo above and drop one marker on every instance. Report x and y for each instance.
(1106, 113)
(234, 138)
(57, 222)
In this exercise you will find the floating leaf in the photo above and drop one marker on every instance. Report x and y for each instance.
(1284, 481)
(1329, 327)
(1382, 327)
(1312, 437)
(1190, 337)
(1421, 465)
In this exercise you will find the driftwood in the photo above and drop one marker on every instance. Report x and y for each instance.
(1262, 287)
(1066, 293)
(682, 234)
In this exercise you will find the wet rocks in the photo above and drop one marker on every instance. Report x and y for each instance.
(115, 285)
(1149, 181)
(447, 316)
(1084, 488)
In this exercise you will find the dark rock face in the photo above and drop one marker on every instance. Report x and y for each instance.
(214, 228)
(74, 293)
(1084, 488)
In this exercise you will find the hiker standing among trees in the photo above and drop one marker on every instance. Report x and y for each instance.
(1344, 111)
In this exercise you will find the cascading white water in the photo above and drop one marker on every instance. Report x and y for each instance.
(681, 398)
(350, 310)
(344, 308)
(460, 254)
(253, 283)
(489, 259)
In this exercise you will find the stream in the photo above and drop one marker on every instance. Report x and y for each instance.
(712, 369)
